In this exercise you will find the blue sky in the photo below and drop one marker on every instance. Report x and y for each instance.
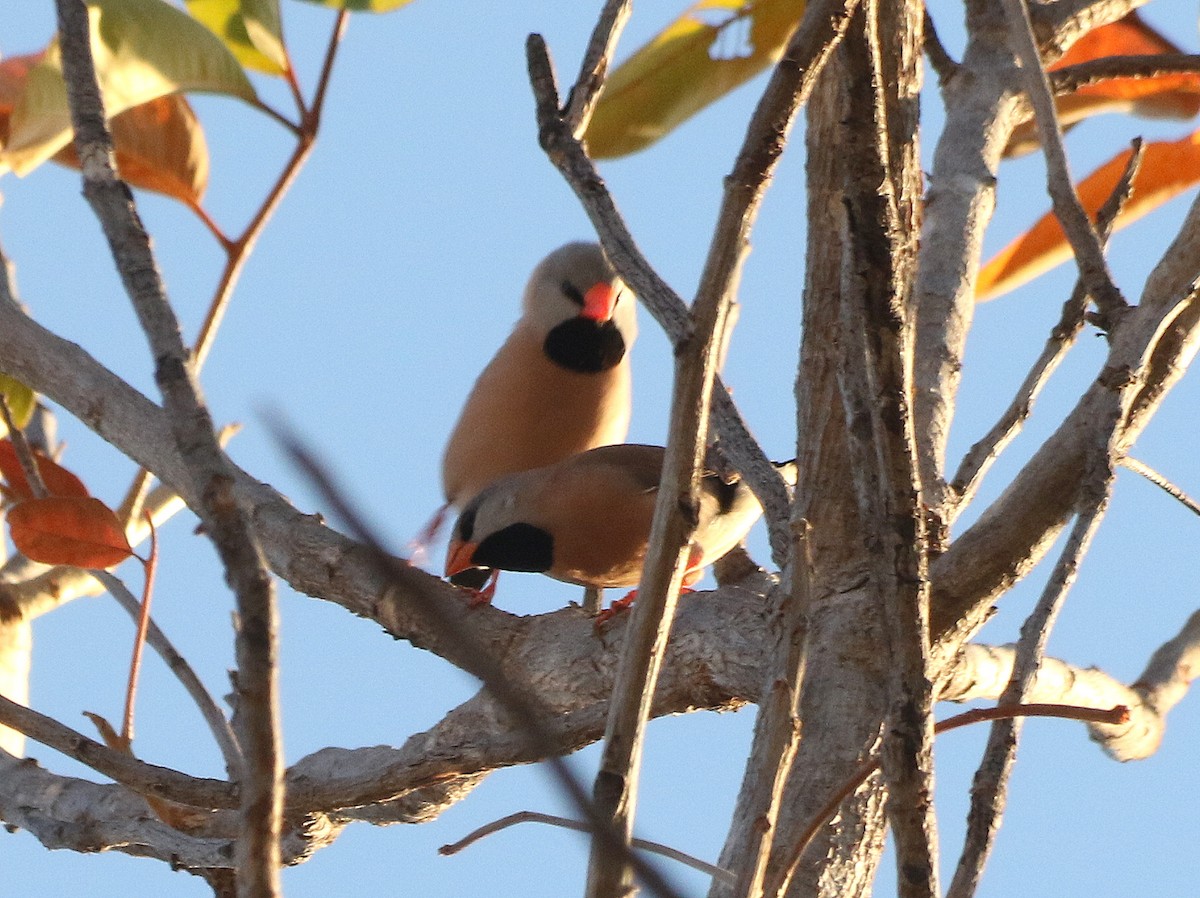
(386, 280)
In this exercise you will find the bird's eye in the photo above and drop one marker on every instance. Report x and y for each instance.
(466, 524)
(571, 292)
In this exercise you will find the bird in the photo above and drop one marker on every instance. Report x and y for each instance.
(586, 519)
(560, 384)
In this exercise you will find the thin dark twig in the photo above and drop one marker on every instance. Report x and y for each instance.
(1083, 74)
(979, 457)
(566, 823)
(1089, 254)
(1140, 467)
(528, 712)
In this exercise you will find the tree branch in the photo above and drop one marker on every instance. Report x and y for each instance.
(226, 522)
(987, 449)
(582, 99)
(1089, 253)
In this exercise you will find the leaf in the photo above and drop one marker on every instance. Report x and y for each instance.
(82, 532)
(160, 146)
(1168, 169)
(20, 399)
(59, 481)
(252, 29)
(362, 5)
(13, 72)
(143, 49)
(1172, 95)
(712, 48)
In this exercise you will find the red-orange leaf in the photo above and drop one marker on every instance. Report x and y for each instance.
(59, 481)
(160, 146)
(1171, 95)
(69, 530)
(1168, 169)
(13, 72)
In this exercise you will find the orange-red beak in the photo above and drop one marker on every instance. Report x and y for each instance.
(458, 556)
(599, 301)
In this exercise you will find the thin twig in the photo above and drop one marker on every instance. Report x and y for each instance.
(475, 658)
(239, 249)
(581, 101)
(976, 715)
(1071, 78)
(177, 664)
(1139, 467)
(138, 776)
(987, 449)
(943, 63)
(566, 823)
(568, 155)
(24, 453)
(1089, 254)
(226, 521)
(697, 361)
(990, 786)
(149, 567)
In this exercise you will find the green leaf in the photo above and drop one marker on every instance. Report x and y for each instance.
(143, 49)
(20, 399)
(712, 48)
(362, 5)
(252, 29)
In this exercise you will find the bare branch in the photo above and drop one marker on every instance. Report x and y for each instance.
(943, 64)
(226, 522)
(777, 726)
(874, 379)
(177, 664)
(1095, 71)
(990, 787)
(1089, 253)
(142, 778)
(238, 251)
(1161, 482)
(790, 85)
(582, 98)
(564, 823)
(987, 449)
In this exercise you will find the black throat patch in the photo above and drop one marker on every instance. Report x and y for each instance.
(585, 346)
(518, 547)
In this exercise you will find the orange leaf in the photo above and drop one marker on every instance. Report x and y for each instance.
(1168, 169)
(1172, 95)
(59, 481)
(160, 146)
(12, 84)
(82, 532)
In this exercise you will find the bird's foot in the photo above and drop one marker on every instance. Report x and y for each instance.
(620, 605)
